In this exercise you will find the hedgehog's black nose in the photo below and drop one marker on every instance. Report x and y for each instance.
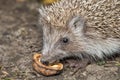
(44, 62)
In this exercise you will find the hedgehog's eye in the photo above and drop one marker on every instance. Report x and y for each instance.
(65, 40)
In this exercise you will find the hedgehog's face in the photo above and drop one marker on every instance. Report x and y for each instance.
(60, 43)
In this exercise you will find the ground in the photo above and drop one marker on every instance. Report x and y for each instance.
(21, 37)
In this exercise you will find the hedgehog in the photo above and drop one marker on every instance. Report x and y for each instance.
(80, 28)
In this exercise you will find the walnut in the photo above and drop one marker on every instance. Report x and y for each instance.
(44, 69)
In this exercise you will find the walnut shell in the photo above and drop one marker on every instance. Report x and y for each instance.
(46, 70)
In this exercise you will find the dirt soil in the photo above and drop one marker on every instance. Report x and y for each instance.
(21, 37)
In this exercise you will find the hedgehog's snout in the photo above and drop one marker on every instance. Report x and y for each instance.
(47, 59)
(45, 62)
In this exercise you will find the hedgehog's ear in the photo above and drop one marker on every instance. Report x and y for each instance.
(77, 24)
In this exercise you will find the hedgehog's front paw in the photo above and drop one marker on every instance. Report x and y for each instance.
(77, 63)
